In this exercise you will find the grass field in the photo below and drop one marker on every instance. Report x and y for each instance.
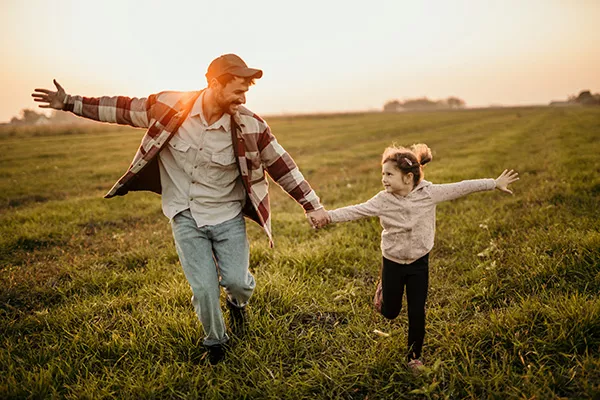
(94, 304)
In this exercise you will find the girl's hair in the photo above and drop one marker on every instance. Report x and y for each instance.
(409, 160)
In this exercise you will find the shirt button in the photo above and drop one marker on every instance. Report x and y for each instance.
(191, 199)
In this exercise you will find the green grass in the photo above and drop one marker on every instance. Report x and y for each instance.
(93, 302)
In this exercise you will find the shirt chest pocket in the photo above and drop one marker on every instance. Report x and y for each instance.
(178, 144)
(222, 168)
(179, 150)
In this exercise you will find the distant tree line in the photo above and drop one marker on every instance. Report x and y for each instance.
(423, 103)
(32, 117)
(586, 98)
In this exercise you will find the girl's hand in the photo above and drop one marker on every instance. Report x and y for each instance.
(506, 178)
(318, 218)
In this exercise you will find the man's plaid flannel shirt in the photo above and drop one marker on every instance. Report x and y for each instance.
(255, 147)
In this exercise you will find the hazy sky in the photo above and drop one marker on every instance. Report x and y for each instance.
(317, 56)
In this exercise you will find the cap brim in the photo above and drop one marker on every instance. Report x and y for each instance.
(246, 72)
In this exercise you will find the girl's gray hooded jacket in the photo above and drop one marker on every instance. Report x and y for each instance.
(409, 221)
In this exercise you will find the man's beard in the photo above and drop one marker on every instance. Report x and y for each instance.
(230, 109)
(226, 106)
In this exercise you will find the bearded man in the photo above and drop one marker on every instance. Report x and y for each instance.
(207, 155)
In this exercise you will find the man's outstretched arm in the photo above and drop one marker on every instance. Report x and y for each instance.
(119, 109)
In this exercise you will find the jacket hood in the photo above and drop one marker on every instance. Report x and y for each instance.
(422, 184)
(418, 190)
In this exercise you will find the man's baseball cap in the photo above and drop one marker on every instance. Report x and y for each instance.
(231, 64)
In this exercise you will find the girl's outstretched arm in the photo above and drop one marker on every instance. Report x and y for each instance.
(370, 208)
(451, 191)
(506, 178)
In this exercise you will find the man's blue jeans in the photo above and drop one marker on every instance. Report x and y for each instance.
(211, 257)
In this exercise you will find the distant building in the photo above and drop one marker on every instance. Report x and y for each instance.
(558, 103)
(42, 120)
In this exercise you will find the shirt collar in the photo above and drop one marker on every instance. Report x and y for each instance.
(223, 122)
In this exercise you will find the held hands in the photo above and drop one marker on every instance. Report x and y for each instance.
(506, 177)
(49, 98)
(318, 218)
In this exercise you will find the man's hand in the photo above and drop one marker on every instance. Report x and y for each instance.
(318, 218)
(49, 98)
(506, 178)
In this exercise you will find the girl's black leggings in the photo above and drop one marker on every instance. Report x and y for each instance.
(415, 276)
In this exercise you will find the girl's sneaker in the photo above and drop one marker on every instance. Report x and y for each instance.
(416, 366)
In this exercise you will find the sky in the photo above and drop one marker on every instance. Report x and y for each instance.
(317, 56)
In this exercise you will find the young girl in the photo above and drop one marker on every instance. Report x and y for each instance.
(406, 209)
